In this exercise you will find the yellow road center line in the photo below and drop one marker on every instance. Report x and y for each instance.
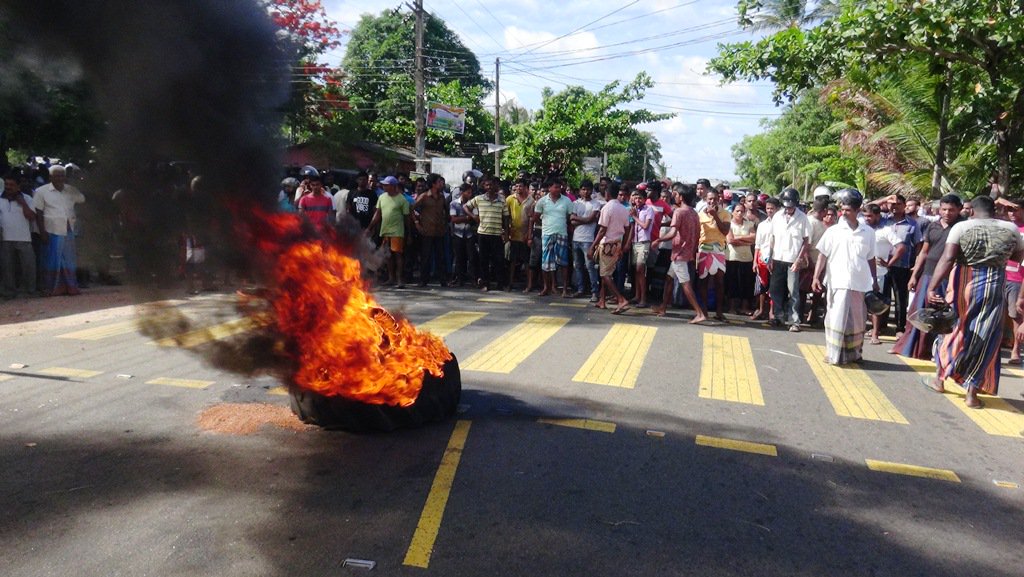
(1012, 372)
(568, 305)
(5, 378)
(98, 333)
(734, 445)
(207, 334)
(588, 424)
(278, 391)
(912, 470)
(450, 322)
(422, 544)
(65, 372)
(728, 372)
(998, 418)
(495, 300)
(187, 383)
(509, 350)
(850, 390)
(617, 360)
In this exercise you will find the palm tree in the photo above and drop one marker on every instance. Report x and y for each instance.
(785, 14)
(910, 141)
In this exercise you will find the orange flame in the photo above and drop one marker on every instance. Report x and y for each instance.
(344, 343)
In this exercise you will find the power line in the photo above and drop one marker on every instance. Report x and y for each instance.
(620, 9)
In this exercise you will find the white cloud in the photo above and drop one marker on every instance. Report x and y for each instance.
(579, 44)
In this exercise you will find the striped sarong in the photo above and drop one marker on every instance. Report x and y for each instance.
(845, 323)
(914, 343)
(555, 252)
(59, 265)
(970, 354)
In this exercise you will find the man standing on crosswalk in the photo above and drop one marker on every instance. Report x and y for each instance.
(979, 249)
(846, 266)
(607, 247)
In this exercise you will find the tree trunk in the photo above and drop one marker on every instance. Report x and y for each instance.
(945, 91)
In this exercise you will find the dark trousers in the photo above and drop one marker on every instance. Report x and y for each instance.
(492, 258)
(432, 252)
(784, 289)
(897, 282)
(467, 259)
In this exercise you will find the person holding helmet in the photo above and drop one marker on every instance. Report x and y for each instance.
(976, 251)
(846, 266)
(790, 245)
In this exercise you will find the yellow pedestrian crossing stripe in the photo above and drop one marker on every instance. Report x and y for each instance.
(618, 359)
(586, 424)
(207, 334)
(278, 391)
(850, 390)
(187, 383)
(509, 350)
(450, 322)
(735, 445)
(727, 371)
(912, 470)
(103, 332)
(71, 373)
(998, 418)
(5, 378)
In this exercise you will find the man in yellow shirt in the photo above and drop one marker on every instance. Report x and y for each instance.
(519, 203)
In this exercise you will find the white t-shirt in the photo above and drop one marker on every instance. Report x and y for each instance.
(14, 225)
(849, 252)
(763, 240)
(976, 245)
(585, 209)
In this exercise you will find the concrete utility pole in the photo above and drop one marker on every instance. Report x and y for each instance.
(421, 107)
(497, 116)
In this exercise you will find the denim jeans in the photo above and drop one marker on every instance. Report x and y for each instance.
(583, 264)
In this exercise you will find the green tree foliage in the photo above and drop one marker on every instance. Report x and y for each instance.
(984, 39)
(638, 154)
(796, 149)
(573, 122)
(784, 14)
(379, 63)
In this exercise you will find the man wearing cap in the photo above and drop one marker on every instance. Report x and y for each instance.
(790, 236)
(393, 215)
(846, 265)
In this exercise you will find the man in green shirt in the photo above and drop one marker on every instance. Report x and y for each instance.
(393, 215)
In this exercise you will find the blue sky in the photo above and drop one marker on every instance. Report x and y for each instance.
(591, 43)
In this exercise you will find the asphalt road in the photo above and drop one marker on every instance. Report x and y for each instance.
(660, 470)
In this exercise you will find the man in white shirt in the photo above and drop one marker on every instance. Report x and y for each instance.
(55, 213)
(791, 232)
(846, 265)
(585, 212)
(16, 216)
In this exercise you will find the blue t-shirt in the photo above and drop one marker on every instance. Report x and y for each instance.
(910, 233)
(554, 217)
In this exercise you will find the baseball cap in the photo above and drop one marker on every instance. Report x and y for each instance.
(389, 180)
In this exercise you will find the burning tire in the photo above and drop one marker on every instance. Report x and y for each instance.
(436, 402)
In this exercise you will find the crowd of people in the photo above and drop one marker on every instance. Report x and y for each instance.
(710, 250)
(38, 225)
(651, 245)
